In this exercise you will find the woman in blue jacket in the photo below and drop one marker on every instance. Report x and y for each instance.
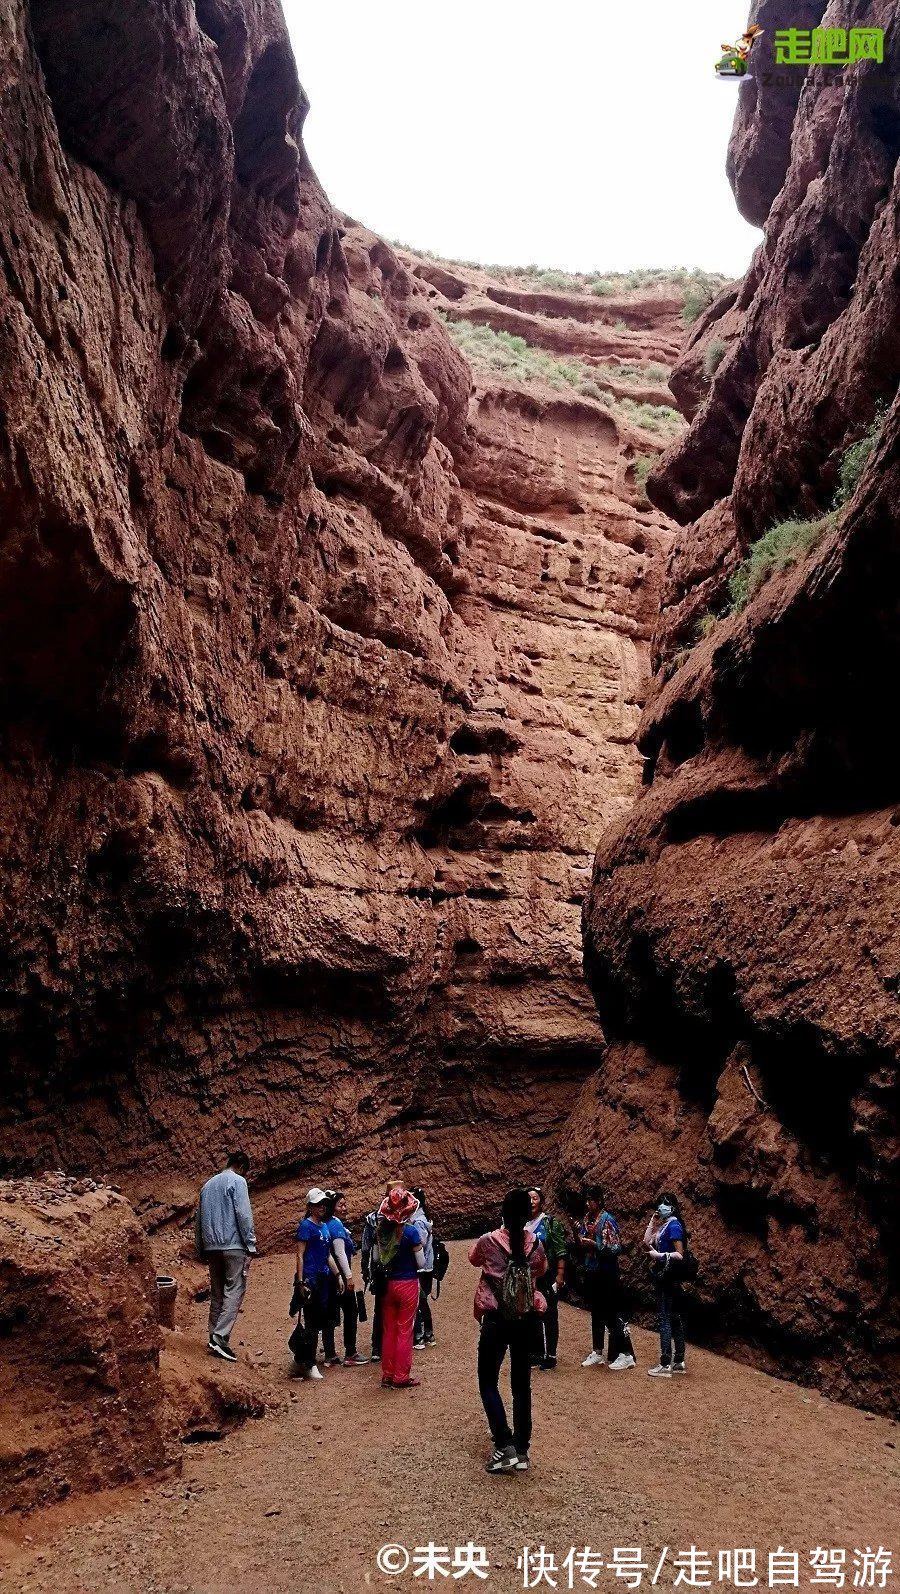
(666, 1240)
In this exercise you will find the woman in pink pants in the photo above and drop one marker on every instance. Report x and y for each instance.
(398, 1250)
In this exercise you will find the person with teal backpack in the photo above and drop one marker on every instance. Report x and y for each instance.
(552, 1236)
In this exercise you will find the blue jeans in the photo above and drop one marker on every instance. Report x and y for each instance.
(668, 1305)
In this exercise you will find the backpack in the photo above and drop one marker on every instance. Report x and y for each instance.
(553, 1241)
(515, 1291)
(690, 1266)
(379, 1278)
(441, 1262)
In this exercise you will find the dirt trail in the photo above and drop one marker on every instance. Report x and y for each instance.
(302, 1499)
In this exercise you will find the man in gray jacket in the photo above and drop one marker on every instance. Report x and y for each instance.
(226, 1240)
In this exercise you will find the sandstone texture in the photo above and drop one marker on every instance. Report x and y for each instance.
(81, 1400)
(743, 927)
(321, 659)
(93, 1393)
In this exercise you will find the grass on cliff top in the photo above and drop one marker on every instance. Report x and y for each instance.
(514, 357)
(692, 281)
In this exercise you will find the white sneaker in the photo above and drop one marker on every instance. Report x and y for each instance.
(659, 1372)
(679, 1367)
(313, 1373)
(596, 1359)
(621, 1362)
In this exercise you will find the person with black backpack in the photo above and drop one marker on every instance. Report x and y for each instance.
(672, 1264)
(424, 1334)
(552, 1235)
(506, 1299)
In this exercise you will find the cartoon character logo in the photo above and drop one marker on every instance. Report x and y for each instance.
(734, 59)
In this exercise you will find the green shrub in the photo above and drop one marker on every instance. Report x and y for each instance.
(782, 545)
(855, 458)
(652, 417)
(643, 465)
(696, 299)
(634, 373)
(555, 279)
(712, 356)
(514, 357)
(706, 624)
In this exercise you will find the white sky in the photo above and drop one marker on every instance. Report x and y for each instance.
(583, 134)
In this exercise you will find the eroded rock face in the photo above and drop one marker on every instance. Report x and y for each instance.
(81, 1398)
(319, 665)
(741, 930)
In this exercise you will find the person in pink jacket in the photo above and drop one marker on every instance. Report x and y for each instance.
(506, 1299)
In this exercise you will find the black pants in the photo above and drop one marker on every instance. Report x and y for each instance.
(601, 1292)
(376, 1325)
(498, 1336)
(424, 1324)
(342, 1309)
(545, 1342)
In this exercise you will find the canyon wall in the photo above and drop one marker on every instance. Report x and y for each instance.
(742, 931)
(321, 661)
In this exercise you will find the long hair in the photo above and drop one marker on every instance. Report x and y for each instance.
(516, 1213)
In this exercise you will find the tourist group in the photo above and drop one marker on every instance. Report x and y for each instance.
(524, 1265)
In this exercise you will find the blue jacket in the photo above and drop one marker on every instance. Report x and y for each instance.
(224, 1216)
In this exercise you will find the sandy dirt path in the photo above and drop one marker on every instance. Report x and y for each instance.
(303, 1499)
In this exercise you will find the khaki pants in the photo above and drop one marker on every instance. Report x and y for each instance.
(227, 1282)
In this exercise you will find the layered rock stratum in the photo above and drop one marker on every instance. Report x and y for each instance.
(742, 926)
(321, 657)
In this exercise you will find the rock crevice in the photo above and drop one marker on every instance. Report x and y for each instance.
(741, 929)
(322, 658)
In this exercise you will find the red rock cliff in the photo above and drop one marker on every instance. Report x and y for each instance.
(320, 665)
(742, 927)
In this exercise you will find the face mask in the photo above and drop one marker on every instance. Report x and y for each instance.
(664, 1210)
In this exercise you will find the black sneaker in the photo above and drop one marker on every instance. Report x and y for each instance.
(502, 1458)
(332, 1361)
(220, 1347)
(548, 1365)
(430, 1339)
(375, 1356)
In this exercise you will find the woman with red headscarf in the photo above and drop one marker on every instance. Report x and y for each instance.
(398, 1260)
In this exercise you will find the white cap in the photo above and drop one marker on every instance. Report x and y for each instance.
(315, 1196)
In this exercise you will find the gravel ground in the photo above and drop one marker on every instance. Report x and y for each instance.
(303, 1499)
